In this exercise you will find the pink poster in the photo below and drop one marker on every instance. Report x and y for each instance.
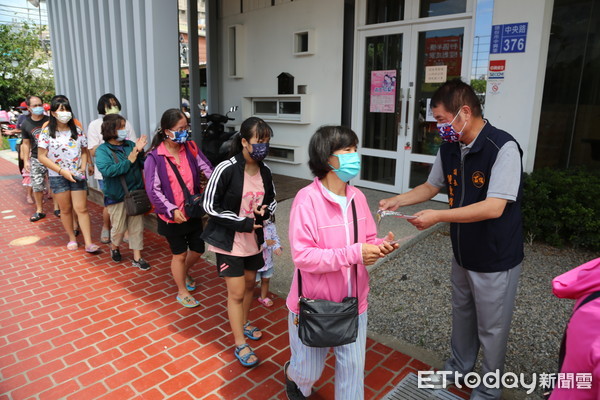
(383, 91)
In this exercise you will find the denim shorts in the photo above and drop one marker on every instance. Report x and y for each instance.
(264, 274)
(58, 184)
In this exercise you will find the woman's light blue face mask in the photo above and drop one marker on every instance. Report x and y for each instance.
(349, 166)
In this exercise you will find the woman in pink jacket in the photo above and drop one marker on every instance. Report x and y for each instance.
(323, 249)
(579, 376)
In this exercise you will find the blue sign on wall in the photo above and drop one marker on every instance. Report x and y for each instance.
(509, 38)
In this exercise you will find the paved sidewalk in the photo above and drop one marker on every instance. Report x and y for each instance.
(78, 326)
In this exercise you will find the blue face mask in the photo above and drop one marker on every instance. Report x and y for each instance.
(447, 131)
(259, 151)
(38, 110)
(349, 166)
(180, 136)
(121, 135)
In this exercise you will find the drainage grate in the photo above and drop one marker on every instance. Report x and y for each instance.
(407, 390)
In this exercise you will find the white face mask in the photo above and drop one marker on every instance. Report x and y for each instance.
(64, 116)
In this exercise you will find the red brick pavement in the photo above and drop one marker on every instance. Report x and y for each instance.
(77, 326)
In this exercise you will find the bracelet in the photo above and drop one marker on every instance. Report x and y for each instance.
(59, 171)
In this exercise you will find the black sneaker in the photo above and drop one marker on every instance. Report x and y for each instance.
(141, 264)
(116, 255)
(292, 390)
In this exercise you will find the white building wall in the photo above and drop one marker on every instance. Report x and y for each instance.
(268, 36)
(517, 105)
(125, 47)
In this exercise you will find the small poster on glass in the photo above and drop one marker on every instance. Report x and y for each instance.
(383, 91)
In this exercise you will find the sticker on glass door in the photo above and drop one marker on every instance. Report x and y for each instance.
(383, 91)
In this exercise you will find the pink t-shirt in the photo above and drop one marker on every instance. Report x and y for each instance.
(186, 174)
(244, 243)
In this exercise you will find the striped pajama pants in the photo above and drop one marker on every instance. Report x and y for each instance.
(307, 363)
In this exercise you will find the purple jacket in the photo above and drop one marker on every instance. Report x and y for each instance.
(157, 182)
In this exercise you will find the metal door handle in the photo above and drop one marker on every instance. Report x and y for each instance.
(406, 112)
(400, 116)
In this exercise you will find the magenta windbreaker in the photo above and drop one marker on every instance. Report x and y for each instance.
(583, 331)
(322, 245)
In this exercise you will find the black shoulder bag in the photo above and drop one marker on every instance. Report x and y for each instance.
(136, 201)
(193, 202)
(324, 323)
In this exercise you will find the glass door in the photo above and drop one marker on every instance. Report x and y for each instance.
(382, 106)
(406, 49)
(438, 56)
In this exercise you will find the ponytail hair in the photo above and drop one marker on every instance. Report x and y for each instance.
(250, 127)
(169, 119)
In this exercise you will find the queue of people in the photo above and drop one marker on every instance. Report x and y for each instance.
(333, 236)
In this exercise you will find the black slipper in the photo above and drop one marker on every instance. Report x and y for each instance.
(37, 216)
(57, 213)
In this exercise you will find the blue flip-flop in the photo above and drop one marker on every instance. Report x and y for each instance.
(249, 333)
(244, 359)
(188, 286)
(183, 302)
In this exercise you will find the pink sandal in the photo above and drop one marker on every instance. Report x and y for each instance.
(72, 246)
(92, 248)
(267, 302)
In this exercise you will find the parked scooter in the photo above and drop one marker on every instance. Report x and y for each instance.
(216, 142)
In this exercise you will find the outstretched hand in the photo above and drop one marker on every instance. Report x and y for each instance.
(390, 203)
(425, 219)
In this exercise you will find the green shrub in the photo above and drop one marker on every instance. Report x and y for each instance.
(562, 207)
(4, 144)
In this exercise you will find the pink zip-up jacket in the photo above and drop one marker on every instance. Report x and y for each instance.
(583, 331)
(322, 245)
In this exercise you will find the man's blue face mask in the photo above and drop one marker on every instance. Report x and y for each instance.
(180, 136)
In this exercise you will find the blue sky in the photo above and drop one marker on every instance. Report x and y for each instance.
(21, 10)
(483, 28)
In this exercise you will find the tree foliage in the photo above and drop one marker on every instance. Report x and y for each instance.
(478, 85)
(23, 61)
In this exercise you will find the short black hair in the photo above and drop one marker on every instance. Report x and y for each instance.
(105, 101)
(110, 124)
(326, 140)
(454, 94)
(28, 99)
(250, 127)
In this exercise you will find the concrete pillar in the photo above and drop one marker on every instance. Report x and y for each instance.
(516, 105)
